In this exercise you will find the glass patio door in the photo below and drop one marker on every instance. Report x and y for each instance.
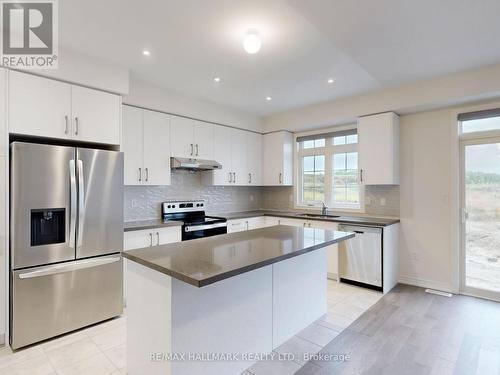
(480, 190)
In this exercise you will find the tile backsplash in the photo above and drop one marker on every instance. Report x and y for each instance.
(144, 202)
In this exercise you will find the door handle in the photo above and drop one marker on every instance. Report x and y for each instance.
(147, 173)
(72, 208)
(197, 149)
(68, 267)
(81, 202)
(140, 174)
(150, 239)
(66, 124)
(76, 125)
(192, 149)
(157, 238)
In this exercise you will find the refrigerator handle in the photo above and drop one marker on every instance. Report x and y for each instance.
(72, 207)
(81, 202)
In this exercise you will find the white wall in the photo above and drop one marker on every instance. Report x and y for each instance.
(453, 89)
(426, 251)
(147, 95)
(88, 71)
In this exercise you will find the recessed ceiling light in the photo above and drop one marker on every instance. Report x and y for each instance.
(217, 79)
(251, 42)
(269, 98)
(330, 81)
(146, 52)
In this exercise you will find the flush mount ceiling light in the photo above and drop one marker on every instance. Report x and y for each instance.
(217, 79)
(269, 98)
(146, 52)
(330, 81)
(251, 42)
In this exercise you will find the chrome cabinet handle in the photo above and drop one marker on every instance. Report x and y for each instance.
(150, 239)
(249, 178)
(197, 149)
(76, 125)
(246, 222)
(361, 175)
(147, 173)
(280, 179)
(157, 238)
(140, 174)
(192, 149)
(234, 177)
(230, 177)
(304, 224)
(66, 124)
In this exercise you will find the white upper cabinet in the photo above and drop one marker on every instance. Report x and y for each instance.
(48, 108)
(39, 106)
(277, 162)
(182, 137)
(222, 155)
(378, 148)
(156, 148)
(146, 147)
(203, 140)
(254, 158)
(132, 145)
(96, 115)
(3, 101)
(239, 157)
(191, 138)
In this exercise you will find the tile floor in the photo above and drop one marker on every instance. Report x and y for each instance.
(100, 350)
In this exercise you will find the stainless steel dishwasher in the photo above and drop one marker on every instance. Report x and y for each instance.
(360, 258)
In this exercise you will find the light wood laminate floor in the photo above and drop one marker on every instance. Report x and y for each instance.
(412, 332)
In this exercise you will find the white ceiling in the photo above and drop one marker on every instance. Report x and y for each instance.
(364, 45)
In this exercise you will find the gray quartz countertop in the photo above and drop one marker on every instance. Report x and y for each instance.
(149, 224)
(207, 260)
(359, 220)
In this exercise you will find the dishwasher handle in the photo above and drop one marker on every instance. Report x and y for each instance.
(359, 229)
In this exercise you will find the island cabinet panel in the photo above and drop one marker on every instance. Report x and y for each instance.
(299, 294)
(138, 239)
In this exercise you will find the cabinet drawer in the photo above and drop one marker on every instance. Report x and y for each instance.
(138, 239)
(238, 225)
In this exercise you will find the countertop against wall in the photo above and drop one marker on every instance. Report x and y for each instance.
(354, 220)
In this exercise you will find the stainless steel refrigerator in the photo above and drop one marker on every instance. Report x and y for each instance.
(66, 238)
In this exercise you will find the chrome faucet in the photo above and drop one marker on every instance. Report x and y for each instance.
(323, 208)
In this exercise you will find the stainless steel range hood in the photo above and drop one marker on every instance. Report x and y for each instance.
(193, 164)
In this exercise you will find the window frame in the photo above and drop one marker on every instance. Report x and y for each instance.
(328, 151)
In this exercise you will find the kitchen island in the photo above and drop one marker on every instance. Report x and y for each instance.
(214, 305)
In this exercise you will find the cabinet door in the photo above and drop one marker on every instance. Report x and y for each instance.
(132, 145)
(238, 225)
(96, 115)
(39, 106)
(272, 221)
(239, 157)
(137, 239)
(293, 222)
(3, 103)
(256, 222)
(378, 149)
(222, 155)
(181, 137)
(331, 251)
(203, 140)
(254, 158)
(163, 236)
(156, 148)
(272, 159)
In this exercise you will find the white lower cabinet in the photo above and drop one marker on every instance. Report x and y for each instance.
(138, 239)
(239, 225)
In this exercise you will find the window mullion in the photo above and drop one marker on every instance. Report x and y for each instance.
(328, 178)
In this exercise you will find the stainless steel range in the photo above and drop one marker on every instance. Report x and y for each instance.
(195, 223)
(66, 223)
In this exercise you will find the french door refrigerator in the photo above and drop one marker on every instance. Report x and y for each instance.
(66, 227)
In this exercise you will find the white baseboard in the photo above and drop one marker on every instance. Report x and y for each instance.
(424, 283)
(333, 276)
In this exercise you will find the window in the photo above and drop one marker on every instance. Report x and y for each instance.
(328, 170)
(480, 121)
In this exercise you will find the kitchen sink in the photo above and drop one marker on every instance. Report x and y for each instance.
(319, 216)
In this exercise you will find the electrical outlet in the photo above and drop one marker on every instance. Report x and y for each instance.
(382, 201)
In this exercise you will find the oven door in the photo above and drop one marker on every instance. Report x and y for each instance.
(191, 232)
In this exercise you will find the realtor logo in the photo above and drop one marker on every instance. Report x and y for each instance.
(29, 34)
